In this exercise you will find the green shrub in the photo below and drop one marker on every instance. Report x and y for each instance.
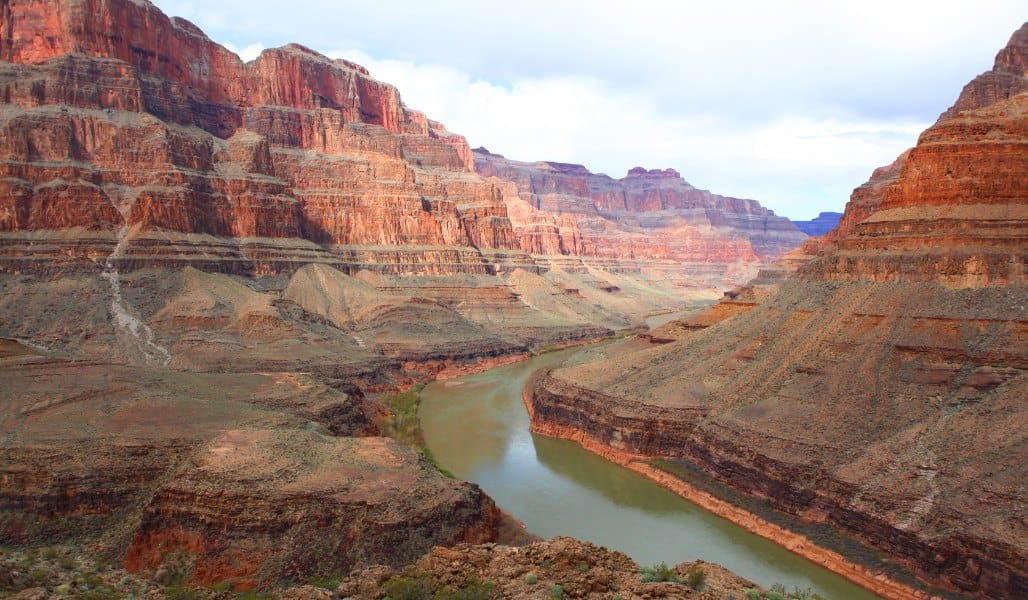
(531, 579)
(658, 573)
(92, 580)
(328, 582)
(409, 588)
(583, 568)
(804, 594)
(51, 553)
(66, 562)
(695, 577)
(438, 467)
(473, 589)
(557, 591)
(774, 596)
(752, 594)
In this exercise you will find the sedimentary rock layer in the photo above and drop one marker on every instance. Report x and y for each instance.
(881, 387)
(557, 207)
(119, 123)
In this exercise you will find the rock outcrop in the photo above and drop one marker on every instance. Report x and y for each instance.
(880, 388)
(580, 569)
(648, 214)
(258, 507)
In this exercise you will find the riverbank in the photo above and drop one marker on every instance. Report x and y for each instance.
(477, 428)
(795, 543)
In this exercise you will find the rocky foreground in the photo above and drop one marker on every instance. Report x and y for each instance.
(880, 388)
(556, 568)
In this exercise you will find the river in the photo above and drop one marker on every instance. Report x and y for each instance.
(477, 427)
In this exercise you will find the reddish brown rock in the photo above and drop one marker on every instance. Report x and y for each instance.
(881, 387)
(262, 506)
(652, 215)
(1005, 80)
(583, 570)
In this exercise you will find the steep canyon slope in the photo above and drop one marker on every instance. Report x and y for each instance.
(206, 264)
(881, 388)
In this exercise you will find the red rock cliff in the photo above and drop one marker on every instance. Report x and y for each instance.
(647, 214)
(116, 116)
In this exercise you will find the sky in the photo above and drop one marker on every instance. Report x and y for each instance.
(792, 103)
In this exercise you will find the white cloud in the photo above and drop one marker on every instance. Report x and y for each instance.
(796, 165)
(792, 103)
(248, 53)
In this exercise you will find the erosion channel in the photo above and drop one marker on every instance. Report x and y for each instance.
(477, 427)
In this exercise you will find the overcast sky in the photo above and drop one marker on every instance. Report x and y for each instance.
(790, 103)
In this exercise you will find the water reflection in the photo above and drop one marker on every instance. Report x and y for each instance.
(480, 432)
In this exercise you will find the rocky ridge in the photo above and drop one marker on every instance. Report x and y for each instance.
(648, 214)
(880, 387)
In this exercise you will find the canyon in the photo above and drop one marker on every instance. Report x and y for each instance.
(874, 380)
(212, 272)
(215, 274)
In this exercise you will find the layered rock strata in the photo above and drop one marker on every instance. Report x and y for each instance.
(648, 214)
(880, 387)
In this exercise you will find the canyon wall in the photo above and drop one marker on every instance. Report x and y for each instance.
(206, 264)
(880, 388)
(648, 214)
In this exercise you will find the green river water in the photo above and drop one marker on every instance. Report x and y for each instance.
(477, 427)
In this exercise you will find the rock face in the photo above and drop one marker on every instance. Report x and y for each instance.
(116, 116)
(318, 505)
(120, 123)
(648, 214)
(250, 478)
(1005, 80)
(819, 225)
(583, 570)
(904, 341)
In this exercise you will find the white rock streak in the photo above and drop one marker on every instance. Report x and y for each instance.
(139, 332)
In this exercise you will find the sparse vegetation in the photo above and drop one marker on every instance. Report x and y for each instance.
(408, 587)
(752, 594)
(431, 459)
(328, 582)
(805, 594)
(402, 422)
(695, 577)
(531, 579)
(659, 573)
(182, 592)
(583, 568)
(556, 591)
(473, 589)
